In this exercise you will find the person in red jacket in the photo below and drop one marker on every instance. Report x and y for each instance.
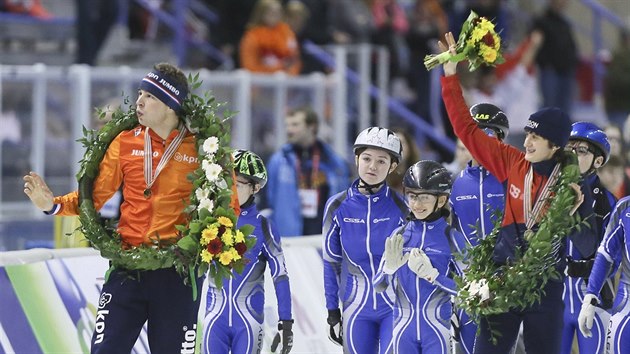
(528, 177)
(151, 162)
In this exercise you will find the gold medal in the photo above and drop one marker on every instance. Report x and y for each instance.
(147, 193)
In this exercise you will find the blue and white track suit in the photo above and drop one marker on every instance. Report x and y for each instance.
(575, 286)
(422, 313)
(477, 202)
(234, 314)
(615, 248)
(355, 228)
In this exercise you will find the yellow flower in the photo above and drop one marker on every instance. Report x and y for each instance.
(206, 256)
(227, 222)
(497, 41)
(476, 35)
(209, 234)
(239, 237)
(489, 55)
(234, 253)
(485, 25)
(228, 237)
(226, 257)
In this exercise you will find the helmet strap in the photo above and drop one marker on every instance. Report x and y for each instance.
(370, 188)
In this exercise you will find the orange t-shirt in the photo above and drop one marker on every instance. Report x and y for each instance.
(269, 49)
(144, 220)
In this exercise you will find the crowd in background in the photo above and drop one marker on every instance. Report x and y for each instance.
(542, 68)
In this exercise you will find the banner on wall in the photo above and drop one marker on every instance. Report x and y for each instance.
(49, 300)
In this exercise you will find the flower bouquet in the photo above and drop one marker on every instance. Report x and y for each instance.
(478, 42)
(211, 239)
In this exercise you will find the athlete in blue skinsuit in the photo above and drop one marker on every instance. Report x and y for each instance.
(592, 148)
(614, 249)
(234, 313)
(356, 224)
(419, 262)
(477, 201)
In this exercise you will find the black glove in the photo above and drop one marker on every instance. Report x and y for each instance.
(334, 321)
(284, 334)
(455, 327)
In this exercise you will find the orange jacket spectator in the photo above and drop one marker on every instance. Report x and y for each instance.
(267, 49)
(269, 44)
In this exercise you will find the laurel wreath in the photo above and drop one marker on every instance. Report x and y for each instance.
(202, 118)
(520, 284)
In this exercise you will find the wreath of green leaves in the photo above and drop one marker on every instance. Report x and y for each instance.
(202, 119)
(520, 284)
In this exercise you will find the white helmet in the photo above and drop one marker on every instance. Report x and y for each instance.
(380, 138)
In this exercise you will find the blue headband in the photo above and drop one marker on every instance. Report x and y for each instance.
(165, 89)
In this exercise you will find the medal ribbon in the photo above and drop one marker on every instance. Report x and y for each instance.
(149, 177)
(532, 215)
(303, 183)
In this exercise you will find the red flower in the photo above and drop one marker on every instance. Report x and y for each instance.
(215, 246)
(488, 40)
(221, 230)
(240, 247)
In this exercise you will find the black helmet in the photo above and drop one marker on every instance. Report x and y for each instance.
(488, 115)
(250, 165)
(429, 176)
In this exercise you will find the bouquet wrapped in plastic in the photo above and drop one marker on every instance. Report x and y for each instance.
(478, 43)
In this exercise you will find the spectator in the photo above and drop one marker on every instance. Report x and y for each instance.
(460, 160)
(154, 204)
(351, 20)
(411, 155)
(94, 21)
(356, 224)
(617, 82)
(557, 58)
(391, 26)
(427, 22)
(303, 174)
(620, 184)
(613, 177)
(235, 313)
(27, 7)
(232, 22)
(269, 44)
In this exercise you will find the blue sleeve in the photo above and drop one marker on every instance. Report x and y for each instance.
(332, 255)
(332, 275)
(461, 243)
(599, 273)
(585, 239)
(446, 283)
(272, 249)
(608, 253)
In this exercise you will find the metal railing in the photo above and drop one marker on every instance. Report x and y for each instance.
(55, 103)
